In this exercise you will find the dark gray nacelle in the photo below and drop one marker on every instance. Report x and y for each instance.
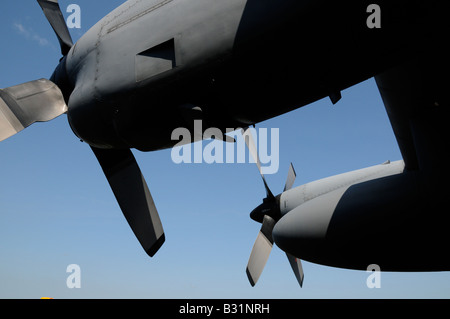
(239, 61)
(369, 216)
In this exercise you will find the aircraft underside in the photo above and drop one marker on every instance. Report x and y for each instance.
(399, 222)
(153, 66)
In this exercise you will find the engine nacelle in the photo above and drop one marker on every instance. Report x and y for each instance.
(93, 122)
(380, 221)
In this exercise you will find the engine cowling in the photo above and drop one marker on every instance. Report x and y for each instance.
(381, 220)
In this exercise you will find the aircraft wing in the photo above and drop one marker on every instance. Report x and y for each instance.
(416, 100)
(398, 99)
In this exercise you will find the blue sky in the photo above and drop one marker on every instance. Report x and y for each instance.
(57, 209)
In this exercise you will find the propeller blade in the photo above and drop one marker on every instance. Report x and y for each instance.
(251, 145)
(133, 196)
(25, 104)
(54, 15)
(290, 178)
(296, 265)
(261, 250)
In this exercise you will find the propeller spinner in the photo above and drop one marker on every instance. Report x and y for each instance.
(268, 213)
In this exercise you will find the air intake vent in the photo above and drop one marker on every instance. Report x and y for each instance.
(156, 60)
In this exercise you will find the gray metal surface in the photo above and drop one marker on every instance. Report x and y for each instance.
(133, 196)
(152, 66)
(53, 13)
(25, 104)
(261, 251)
